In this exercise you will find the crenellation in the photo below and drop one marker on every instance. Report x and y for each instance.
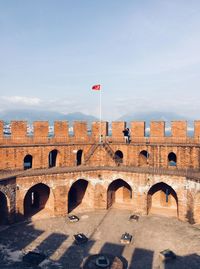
(179, 129)
(197, 129)
(18, 131)
(1, 130)
(99, 129)
(80, 131)
(61, 133)
(41, 131)
(157, 129)
(138, 129)
(117, 130)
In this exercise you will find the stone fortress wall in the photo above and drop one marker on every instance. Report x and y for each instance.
(44, 176)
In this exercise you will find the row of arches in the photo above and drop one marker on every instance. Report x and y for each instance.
(144, 158)
(53, 158)
(161, 198)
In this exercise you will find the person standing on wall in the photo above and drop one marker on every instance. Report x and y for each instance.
(125, 132)
(129, 135)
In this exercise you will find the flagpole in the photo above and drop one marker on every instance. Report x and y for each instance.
(100, 140)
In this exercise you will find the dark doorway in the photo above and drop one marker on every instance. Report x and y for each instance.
(143, 158)
(3, 209)
(118, 192)
(53, 158)
(76, 194)
(172, 159)
(36, 199)
(119, 156)
(79, 157)
(28, 162)
(162, 200)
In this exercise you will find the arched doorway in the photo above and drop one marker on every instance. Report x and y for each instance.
(53, 158)
(119, 193)
(76, 194)
(3, 209)
(79, 157)
(162, 200)
(119, 156)
(28, 162)
(172, 160)
(143, 158)
(37, 201)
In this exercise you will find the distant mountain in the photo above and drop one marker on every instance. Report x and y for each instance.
(155, 115)
(51, 116)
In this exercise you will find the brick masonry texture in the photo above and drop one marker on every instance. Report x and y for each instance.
(156, 174)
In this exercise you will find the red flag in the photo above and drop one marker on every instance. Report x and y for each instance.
(96, 87)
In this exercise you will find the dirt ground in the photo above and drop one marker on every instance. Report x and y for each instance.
(54, 238)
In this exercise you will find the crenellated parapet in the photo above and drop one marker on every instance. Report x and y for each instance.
(82, 132)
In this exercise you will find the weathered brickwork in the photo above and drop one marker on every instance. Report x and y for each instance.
(44, 175)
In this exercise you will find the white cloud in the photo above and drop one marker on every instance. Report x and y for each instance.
(20, 100)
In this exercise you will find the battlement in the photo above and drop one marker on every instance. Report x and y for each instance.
(82, 132)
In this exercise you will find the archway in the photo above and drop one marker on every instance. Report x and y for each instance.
(119, 156)
(162, 200)
(143, 158)
(53, 158)
(172, 160)
(119, 193)
(28, 162)
(37, 201)
(79, 157)
(76, 194)
(3, 209)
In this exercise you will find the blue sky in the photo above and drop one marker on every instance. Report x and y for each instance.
(145, 54)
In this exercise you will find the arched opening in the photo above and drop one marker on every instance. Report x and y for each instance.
(143, 158)
(119, 193)
(172, 159)
(28, 162)
(37, 200)
(119, 156)
(53, 158)
(3, 209)
(76, 194)
(79, 157)
(162, 200)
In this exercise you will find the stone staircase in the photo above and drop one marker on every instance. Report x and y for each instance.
(108, 149)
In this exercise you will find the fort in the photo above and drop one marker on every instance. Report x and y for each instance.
(43, 176)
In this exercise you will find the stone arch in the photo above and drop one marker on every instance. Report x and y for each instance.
(28, 161)
(119, 192)
(39, 201)
(4, 209)
(172, 159)
(79, 156)
(197, 207)
(53, 158)
(143, 158)
(162, 199)
(119, 156)
(77, 195)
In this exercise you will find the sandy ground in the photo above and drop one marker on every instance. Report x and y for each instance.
(54, 238)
